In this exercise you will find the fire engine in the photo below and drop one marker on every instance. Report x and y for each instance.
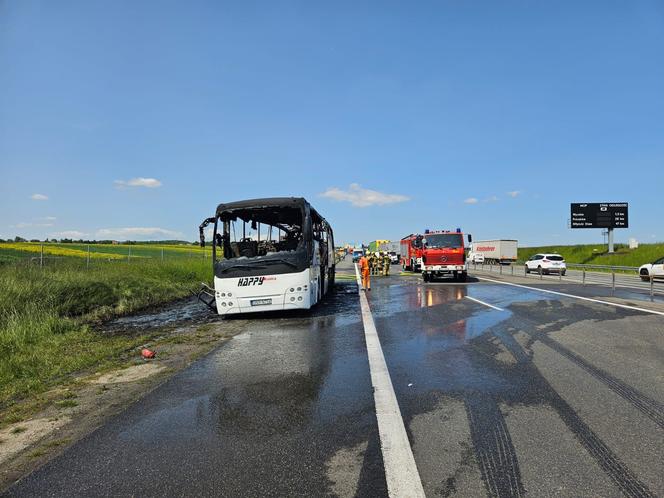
(411, 254)
(436, 253)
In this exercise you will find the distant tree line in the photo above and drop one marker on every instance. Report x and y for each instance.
(91, 242)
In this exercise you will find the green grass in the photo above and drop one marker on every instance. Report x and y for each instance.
(46, 315)
(597, 255)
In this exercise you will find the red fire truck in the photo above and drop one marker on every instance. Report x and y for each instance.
(437, 253)
(411, 254)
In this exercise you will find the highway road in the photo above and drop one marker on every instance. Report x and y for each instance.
(497, 387)
(621, 280)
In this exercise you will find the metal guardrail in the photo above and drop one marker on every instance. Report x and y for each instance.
(594, 267)
(603, 275)
(605, 267)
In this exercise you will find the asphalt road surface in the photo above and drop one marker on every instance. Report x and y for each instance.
(503, 390)
(621, 282)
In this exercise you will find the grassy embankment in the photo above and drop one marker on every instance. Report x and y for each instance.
(46, 313)
(597, 255)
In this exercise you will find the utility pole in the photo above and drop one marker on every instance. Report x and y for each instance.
(610, 239)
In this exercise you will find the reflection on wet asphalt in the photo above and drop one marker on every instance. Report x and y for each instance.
(550, 397)
(439, 346)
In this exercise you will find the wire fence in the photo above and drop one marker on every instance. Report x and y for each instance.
(90, 255)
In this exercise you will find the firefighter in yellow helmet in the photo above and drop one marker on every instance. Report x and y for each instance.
(386, 263)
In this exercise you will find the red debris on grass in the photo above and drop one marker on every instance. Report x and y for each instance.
(147, 354)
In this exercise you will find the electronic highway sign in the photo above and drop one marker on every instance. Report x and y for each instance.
(599, 215)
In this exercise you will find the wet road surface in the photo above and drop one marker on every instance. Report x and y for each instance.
(539, 395)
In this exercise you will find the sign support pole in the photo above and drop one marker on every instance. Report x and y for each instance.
(610, 230)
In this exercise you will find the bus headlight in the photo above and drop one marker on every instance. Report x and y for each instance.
(292, 299)
(223, 304)
(292, 290)
(299, 289)
(230, 295)
(299, 298)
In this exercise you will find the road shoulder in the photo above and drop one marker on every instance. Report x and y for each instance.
(45, 426)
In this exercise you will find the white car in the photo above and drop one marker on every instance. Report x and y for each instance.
(656, 269)
(474, 257)
(546, 263)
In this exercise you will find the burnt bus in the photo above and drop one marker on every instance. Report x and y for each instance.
(269, 254)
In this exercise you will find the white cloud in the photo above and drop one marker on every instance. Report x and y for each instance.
(514, 193)
(69, 234)
(49, 218)
(493, 198)
(471, 200)
(39, 197)
(138, 182)
(362, 197)
(24, 224)
(136, 232)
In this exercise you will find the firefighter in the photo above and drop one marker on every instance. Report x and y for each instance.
(365, 272)
(387, 261)
(373, 264)
(378, 264)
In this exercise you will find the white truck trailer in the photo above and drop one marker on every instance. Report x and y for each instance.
(392, 248)
(503, 252)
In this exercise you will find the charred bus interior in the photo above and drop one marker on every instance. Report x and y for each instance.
(267, 236)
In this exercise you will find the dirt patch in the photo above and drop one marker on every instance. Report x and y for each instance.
(130, 374)
(19, 437)
(64, 415)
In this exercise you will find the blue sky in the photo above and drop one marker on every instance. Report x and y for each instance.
(134, 119)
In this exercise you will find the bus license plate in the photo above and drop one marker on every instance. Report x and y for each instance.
(260, 302)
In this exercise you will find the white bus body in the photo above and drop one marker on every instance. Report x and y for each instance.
(293, 270)
(286, 291)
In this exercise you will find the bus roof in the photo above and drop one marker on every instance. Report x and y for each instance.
(273, 204)
(267, 202)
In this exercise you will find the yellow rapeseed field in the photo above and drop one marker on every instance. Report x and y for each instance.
(58, 250)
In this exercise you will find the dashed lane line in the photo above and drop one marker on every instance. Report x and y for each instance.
(403, 478)
(485, 304)
(574, 296)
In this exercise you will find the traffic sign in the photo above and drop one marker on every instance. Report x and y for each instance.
(599, 215)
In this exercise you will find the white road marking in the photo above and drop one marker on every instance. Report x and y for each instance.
(403, 478)
(573, 296)
(485, 304)
(590, 280)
